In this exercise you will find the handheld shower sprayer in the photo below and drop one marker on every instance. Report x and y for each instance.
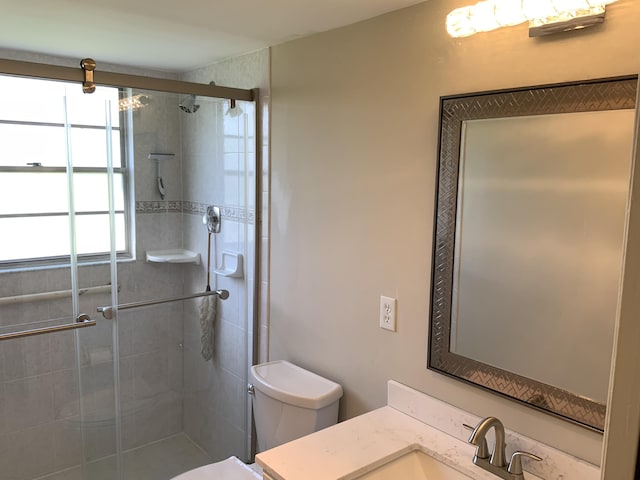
(212, 219)
(159, 157)
(208, 307)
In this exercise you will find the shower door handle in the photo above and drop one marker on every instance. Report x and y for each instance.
(82, 321)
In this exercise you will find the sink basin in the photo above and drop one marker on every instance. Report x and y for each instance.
(414, 465)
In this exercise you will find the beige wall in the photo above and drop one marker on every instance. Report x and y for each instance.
(354, 150)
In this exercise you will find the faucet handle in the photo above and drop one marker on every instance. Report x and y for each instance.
(515, 465)
(483, 449)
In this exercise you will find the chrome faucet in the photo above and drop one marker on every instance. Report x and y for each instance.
(496, 461)
(479, 435)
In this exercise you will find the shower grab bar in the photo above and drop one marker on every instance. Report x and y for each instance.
(107, 311)
(82, 321)
(31, 297)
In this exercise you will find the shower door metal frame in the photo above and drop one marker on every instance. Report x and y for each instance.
(123, 80)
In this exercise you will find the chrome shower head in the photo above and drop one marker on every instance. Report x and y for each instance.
(188, 104)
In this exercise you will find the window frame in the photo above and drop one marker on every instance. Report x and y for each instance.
(125, 170)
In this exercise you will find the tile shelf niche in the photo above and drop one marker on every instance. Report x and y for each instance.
(174, 255)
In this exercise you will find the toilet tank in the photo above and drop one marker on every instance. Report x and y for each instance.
(290, 402)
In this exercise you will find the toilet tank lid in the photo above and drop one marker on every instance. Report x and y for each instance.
(294, 385)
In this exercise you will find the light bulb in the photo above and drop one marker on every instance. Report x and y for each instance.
(533, 9)
(509, 12)
(483, 16)
(459, 22)
(570, 5)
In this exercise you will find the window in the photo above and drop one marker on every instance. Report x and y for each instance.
(44, 125)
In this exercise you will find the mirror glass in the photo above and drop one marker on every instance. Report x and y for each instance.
(531, 213)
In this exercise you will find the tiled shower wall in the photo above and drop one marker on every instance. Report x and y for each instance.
(216, 413)
(151, 337)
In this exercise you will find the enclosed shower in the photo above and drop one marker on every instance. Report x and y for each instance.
(107, 255)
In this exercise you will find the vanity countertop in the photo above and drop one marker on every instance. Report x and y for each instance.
(348, 449)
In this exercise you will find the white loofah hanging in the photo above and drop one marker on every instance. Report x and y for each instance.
(208, 309)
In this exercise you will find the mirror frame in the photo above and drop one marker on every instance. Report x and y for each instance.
(592, 95)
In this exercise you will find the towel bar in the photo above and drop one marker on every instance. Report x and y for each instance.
(82, 321)
(107, 311)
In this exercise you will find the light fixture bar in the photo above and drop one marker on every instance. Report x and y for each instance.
(566, 23)
(544, 16)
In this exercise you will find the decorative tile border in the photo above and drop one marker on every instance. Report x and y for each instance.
(194, 208)
(159, 207)
(238, 214)
(229, 212)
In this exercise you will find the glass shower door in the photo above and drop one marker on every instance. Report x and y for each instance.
(98, 216)
(46, 393)
(181, 409)
(101, 205)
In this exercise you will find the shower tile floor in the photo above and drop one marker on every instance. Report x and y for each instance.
(160, 460)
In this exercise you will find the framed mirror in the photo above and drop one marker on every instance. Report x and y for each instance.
(530, 219)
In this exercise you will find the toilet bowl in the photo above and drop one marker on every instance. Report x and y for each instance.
(230, 469)
(288, 402)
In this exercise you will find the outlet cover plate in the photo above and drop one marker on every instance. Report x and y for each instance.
(388, 313)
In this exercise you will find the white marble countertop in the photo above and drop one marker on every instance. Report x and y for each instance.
(351, 448)
(411, 420)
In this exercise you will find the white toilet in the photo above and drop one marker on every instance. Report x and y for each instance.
(288, 403)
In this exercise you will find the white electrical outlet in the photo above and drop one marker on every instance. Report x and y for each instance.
(388, 313)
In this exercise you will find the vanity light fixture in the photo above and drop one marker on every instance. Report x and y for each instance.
(544, 16)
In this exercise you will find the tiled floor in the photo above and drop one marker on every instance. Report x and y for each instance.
(160, 460)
